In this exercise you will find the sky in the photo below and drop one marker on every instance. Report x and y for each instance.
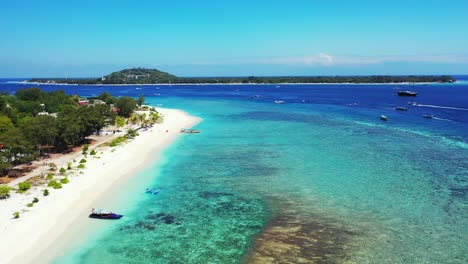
(89, 38)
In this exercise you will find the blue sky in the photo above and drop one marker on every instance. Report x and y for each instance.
(233, 38)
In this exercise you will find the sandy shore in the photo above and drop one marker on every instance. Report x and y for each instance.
(25, 238)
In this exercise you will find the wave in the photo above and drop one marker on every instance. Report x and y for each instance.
(442, 107)
(446, 140)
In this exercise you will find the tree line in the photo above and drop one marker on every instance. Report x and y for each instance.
(152, 76)
(33, 122)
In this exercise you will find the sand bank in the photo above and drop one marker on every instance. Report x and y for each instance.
(25, 238)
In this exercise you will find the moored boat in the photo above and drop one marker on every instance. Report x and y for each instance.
(428, 116)
(383, 118)
(102, 214)
(401, 108)
(191, 131)
(279, 102)
(407, 93)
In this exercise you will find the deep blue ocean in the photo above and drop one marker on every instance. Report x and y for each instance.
(317, 179)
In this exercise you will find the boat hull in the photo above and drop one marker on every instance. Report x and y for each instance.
(106, 216)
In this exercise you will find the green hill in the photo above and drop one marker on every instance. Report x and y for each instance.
(138, 76)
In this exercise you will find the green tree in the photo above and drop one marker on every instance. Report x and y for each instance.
(140, 101)
(119, 121)
(5, 123)
(126, 105)
(41, 130)
(17, 149)
(107, 97)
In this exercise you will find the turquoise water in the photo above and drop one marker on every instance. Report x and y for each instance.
(265, 185)
(313, 182)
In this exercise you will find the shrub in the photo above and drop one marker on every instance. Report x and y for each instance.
(117, 141)
(69, 166)
(93, 152)
(81, 166)
(62, 171)
(45, 192)
(49, 176)
(16, 215)
(24, 186)
(85, 148)
(83, 161)
(35, 200)
(4, 190)
(30, 205)
(64, 180)
(54, 184)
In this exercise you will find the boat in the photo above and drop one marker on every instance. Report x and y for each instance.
(190, 131)
(401, 108)
(279, 102)
(153, 190)
(428, 116)
(383, 118)
(102, 214)
(407, 93)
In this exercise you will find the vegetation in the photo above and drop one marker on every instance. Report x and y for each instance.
(81, 166)
(151, 76)
(4, 190)
(49, 176)
(30, 205)
(64, 180)
(16, 215)
(85, 148)
(24, 186)
(117, 141)
(35, 200)
(93, 152)
(62, 171)
(83, 161)
(54, 184)
(34, 122)
(45, 192)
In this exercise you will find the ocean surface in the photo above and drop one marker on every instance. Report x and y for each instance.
(317, 179)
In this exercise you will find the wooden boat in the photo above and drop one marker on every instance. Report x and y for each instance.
(401, 108)
(102, 214)
(383, 118)
(190, 131)
(407, 93)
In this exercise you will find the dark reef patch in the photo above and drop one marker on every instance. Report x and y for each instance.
(296, 236)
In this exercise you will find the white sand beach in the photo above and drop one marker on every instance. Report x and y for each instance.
(38, 227)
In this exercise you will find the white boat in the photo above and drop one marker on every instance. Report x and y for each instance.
(279, 102)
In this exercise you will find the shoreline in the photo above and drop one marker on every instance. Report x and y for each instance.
(37, 229)
(213, 84)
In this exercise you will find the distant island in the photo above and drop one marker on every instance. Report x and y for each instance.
(153, 76)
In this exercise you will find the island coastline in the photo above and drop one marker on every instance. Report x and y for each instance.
(40, 226)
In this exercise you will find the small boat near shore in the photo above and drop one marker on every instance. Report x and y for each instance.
(401, 108)
(407, 93)
(102, 214)
(383, 118)
(279, 102)
(428, 116)
(189, 131)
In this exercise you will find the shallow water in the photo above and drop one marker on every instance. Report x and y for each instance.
(314, 182)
